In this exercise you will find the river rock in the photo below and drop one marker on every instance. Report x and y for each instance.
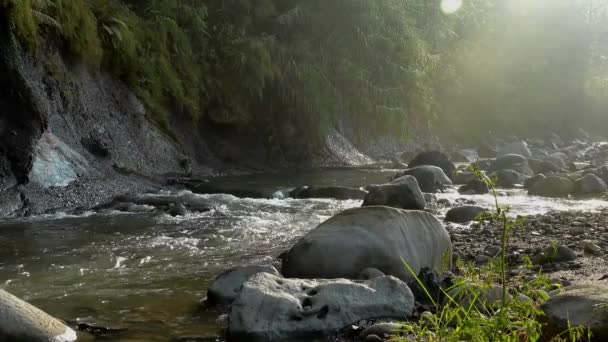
(529, 183)
(578, 305)
(554, 254)
(430, 178)
(334, 192)
(434, 158)
(552, 186)
(464, 214)
(474, 186)
(377, 237)
(271, 308)
(463, 177)
(558, 159)
(403, 193)
(519, 147)
(589, 184)
(509, 179)
(20, 321)
(226, 286)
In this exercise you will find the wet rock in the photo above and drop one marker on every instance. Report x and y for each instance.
(512, 162)
(334, 192)
(20, 321)
(578, 305)
(463, 177)
(576, 230)
(589, 184)
(474, 186)
(429, 198)
(554, 254)
(403, 193)
(226, 286)
(176, 210)
(519, 147)
(529, 183)
(464, 214)
(270, 308)
(383, 330)
(434, 158)
(509, 179)
(492, 251)
(370, 273)
(373, 338)
(430, 178)
(377, 237)
(552, 186)
(590, 248)
(558, 159)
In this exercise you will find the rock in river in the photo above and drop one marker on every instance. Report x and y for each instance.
(519, 147)
(464, 214)
(579, 305)
(227, 285)
(20, 321)
(271, 308)
(589, 184)
(377, 237)
(430, 178)
(434, 158)
(403, 193)
(335, 192)
(552, 186)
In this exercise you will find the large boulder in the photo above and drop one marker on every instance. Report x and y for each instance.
(377, 237)
(227, 285)
(20, 321)
(403, 193)
(519, 147)
(558, 159)
(434, 158)
(583, 305)
(430, 178)
(552, 186)
(513, 162)
(334, 192)
(271, 308)
(589, 184)
(464, 214)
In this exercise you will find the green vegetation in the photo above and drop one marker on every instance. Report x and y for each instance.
(299, 68)
(479, 307)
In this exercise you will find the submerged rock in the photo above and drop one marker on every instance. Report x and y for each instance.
(464, 214)
(434, 158)
(583, 305)
(271, 308)
(377, 237)
(430, 178)
(226, 286)
(20, 321)
(334, 192)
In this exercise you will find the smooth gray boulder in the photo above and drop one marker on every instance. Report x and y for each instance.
(558, 159)
(464, 214)
(434, 158)
(226, 286)
(578, 305)
(334, 192)
(377, 237)
(589, 184)
(402, 193)
(529, 183)
(463, 177)
(519, 147)
(475, 187)
(20, 321)
(552, 186)
(271, 308)
(430, 178)
(513, 162)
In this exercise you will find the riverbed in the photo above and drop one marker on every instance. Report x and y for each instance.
(145, 274)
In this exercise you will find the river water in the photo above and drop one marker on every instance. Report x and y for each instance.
(147, 273)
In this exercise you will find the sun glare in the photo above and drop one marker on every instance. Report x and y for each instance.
(450, 6)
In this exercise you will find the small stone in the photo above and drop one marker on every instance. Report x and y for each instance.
(590, 248)
(373, 338)
(575, 231)
(482, 259)
(492, 251)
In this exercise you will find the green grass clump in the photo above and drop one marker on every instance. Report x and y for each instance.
(480, 306)
(19, 16)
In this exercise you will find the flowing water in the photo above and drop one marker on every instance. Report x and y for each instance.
(147, 273)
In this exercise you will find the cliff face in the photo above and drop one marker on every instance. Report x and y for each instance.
(71, 137)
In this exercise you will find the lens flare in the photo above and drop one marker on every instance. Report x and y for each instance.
(450, 6)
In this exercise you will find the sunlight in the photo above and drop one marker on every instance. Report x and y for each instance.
(450, 6)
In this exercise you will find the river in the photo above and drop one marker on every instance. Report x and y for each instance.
(147, 273)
